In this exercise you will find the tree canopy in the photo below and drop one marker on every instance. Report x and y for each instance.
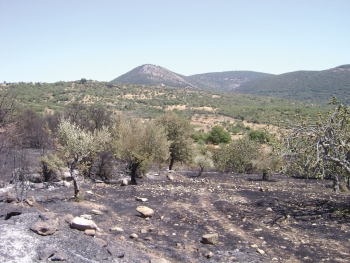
(321, 149)
(178, 131)
(137, 142)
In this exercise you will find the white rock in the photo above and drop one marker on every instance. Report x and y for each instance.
(96, 212)
(145, 211)
(116, 228)
(141, 199)
(83, 224)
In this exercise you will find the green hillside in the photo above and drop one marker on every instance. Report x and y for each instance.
(310, 86)
(150, 101)
(225, 81)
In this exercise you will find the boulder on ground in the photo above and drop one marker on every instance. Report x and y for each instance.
(116, 228)
(115, 252)
(145, 211)
(170, 177)
(47, 216)
(82, 224)
(47, 253)
(45, 228)
(124, 182)
(210, 238)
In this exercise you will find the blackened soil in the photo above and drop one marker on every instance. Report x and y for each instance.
(282, 220)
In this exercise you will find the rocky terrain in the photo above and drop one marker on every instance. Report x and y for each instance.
(178, 217)
(153, 75)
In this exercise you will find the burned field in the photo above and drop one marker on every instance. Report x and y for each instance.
(281, 220)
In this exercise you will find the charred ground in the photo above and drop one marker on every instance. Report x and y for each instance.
(282, 220)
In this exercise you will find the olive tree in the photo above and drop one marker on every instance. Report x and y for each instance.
(320, 149)
(75, 144)
(218, 135)
(136, 142)
(237, 156)
(178, 131)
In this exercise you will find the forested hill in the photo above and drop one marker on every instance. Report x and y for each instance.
(215, 81)
(311, 86)
(226, 81)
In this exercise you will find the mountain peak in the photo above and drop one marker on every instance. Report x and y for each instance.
(153, 75)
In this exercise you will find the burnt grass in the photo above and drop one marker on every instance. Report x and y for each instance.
(281, 220)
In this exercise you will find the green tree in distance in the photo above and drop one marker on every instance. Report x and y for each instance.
(218, 135)
(137, 142)
(75, 144)
(179, 133)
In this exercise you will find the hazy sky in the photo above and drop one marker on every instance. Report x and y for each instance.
(48, 40)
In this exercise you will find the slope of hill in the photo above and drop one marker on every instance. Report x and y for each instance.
(146, 101)
(153, 75)
(311, 86)
(225, 81)
(215, 81)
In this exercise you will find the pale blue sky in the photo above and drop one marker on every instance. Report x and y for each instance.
(53, 40)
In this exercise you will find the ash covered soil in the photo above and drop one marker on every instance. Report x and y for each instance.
(282, 220)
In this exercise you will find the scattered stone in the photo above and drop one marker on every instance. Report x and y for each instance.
(59, 256)
(96, 212)
(170, 177)
(124, 182)
(98, 181)
(254, 246)
(143, 231)
(178, 244)
(158, 260)
(7, 197)
(122, 238)
(47, 253)
(116, 228)
(82, 224)
(269, 209)
(209, 254)
(115, 252)
(145, 211)
(210, 238)
(141, 199)
(66, 184)
(262, 252)
(68, 218)
(100, 242)
(45, 228)
(148, 238)
(90, 232)
(47, 216)
(134, 236)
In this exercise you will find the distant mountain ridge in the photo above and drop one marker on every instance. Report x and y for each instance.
(225, 81)
(216, 81)
(311, 86)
